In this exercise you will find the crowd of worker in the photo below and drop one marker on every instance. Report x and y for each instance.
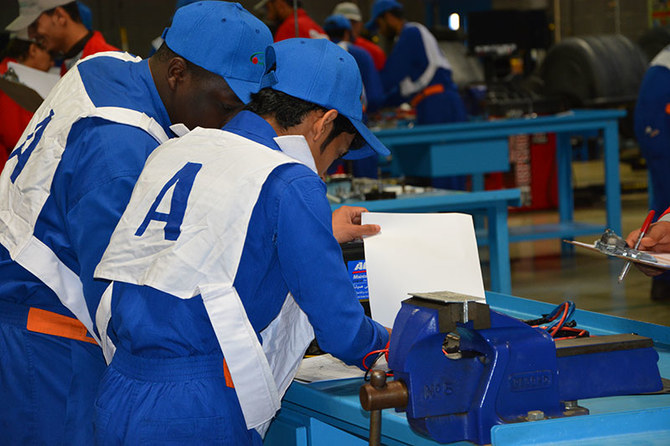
(414, 72)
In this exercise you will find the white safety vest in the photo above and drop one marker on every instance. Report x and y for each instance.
(436, 60)
(662, 58)
(25, 183)
(203, 256)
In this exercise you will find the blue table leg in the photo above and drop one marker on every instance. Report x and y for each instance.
(477, 180)
(566, 202)
(612, 181)
(501, 274)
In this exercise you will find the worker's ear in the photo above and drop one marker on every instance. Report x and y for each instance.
(176, 72)
(323, 125)
(60, 16)
(33, 51)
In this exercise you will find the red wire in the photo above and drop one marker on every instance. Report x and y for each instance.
(560, 323)
(579, 332)
(383, 350)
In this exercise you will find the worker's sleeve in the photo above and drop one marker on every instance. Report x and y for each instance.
(102, 181)
(285, 31)
(312, 266)
(13, 121)
(374, 92)
(404, 60)
(652, 115)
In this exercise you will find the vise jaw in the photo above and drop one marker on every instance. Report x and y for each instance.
(467, 368)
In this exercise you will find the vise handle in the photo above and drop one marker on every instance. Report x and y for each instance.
(377, 395)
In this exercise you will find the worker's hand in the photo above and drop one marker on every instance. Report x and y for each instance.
(657, 239)
(347, 224)
(649, 270)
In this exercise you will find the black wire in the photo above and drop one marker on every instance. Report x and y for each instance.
(366, 377)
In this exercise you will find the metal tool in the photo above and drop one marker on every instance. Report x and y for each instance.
(467, 368)
(612, 244)
(377, 395)
(643, 231)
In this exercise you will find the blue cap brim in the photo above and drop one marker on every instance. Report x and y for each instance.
(373, 145)
(242, 89)
(372, 24)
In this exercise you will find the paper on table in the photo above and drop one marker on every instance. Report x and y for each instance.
(419, 253)
(328, 368)
(325, 367)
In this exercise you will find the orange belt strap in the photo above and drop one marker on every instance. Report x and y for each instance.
(227, 376)
(428, 91)
(46, 322)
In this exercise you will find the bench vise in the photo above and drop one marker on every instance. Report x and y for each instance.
(465, 368)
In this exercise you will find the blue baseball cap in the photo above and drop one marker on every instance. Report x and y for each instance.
(85, 15)
(182, 3)
(223, 38)
(320, 72)
(379, 7)
(336, 21)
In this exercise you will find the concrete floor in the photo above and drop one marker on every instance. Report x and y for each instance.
(539, 272)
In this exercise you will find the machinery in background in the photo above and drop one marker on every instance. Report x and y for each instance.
(460, 368)
(594, 71)
(510, 44)
(527, 75)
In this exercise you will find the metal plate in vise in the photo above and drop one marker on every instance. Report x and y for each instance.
(447, 297)
(454, 308)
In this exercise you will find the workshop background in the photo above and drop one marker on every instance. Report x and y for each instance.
(515, 86)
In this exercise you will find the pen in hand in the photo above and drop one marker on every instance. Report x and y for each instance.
(643, 231)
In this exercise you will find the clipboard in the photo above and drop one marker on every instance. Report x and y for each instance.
(23, 95)
(613, 245)
(27, 86)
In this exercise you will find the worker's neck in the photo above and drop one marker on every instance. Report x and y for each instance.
(75, 32)
(158, 71)
(397, 24)
(276, 127)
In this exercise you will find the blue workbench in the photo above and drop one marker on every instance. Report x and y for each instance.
(475, 148)
(329, 413)
(494, 203)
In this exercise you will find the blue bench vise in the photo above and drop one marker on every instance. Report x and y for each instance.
(465, 368)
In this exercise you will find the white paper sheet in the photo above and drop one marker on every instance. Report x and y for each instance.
(419, 253)
(40, 81)
(329, 368)
(325, 368)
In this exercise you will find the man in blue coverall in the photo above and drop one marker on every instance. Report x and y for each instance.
(67, 183)
(417, 72)
(652, 129)
(240, 254)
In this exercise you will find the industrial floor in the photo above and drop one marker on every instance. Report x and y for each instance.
(539, 272)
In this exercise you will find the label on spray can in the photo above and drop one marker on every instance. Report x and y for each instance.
(359, 277)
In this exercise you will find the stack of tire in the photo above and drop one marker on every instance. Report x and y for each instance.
(587, 71)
